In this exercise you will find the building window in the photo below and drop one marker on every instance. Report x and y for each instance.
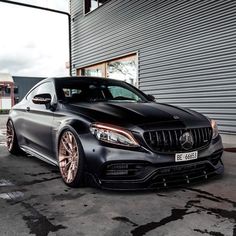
(95, 70)
(90, 5)
(124, 68)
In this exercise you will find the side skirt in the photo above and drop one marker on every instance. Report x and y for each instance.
(39, 155)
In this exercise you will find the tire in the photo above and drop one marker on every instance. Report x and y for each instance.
(71, 158)
(12, 143)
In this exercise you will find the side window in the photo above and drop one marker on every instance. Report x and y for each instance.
(32, 94)
(68, 92)
(47, 87)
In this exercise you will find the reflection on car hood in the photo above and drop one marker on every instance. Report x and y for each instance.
(138, 113)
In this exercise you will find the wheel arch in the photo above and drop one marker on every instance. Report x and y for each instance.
(78, 179)
(79, 127)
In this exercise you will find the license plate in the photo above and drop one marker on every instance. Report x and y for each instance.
(187, 156)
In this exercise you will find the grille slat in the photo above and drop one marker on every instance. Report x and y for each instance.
(202, 135)
(195, 138)
(199, 136)
(205, 132)
(157, 138)
(164, 139)
(176, 138)
(169, 140)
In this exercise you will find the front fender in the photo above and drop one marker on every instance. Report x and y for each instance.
(80, 127)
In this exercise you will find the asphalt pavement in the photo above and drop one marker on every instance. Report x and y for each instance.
(35, 201)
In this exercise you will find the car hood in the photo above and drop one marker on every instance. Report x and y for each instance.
(139, 114)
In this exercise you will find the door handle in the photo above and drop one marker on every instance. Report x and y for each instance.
(27, 108)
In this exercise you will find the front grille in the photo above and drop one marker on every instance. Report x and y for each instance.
(169, 140)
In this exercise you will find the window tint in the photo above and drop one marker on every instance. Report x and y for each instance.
(68, 92)
(95, 91)
(121, 93)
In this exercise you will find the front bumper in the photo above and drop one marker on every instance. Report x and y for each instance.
(120, 169)
(154, 177)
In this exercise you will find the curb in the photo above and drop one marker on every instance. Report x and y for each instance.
(231, 149)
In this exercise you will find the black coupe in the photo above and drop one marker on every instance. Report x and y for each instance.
(108, 132)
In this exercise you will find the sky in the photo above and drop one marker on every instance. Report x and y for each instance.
(34, 42)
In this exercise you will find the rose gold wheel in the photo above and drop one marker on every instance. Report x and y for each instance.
(11, 139)
(10, 135)
(68, 157)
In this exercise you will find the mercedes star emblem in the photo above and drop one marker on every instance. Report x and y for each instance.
(186, 141)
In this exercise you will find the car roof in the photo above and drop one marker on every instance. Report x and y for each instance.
(78, 78)
(71, 78)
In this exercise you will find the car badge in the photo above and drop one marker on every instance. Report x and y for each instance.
(186, 141)
(176, 117)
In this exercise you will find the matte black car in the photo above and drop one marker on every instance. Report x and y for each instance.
(108, 132)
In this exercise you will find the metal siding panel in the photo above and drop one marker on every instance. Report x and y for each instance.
(186, 49)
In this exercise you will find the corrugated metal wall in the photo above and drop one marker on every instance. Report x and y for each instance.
(187, 49)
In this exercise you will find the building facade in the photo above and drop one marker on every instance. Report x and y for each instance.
(6, 92)
(182, 52)
(23, 85)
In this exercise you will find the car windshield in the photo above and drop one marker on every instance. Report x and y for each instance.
(82, 90)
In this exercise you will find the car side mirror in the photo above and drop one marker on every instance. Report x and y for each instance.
(151, 98)
(44, 98)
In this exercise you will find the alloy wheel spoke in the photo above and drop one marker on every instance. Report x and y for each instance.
(70, 143)
(63, 158)
(9, 139)
(9, 135)
(68, 164)
(66, 148)
(68, 156)
(70, 174)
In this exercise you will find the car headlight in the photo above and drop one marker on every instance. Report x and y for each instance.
(215, 132)
(114, 135)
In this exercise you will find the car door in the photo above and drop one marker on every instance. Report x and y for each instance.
(37, 123)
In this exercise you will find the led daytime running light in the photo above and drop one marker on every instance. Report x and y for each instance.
(108, 133)
(214, 129)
